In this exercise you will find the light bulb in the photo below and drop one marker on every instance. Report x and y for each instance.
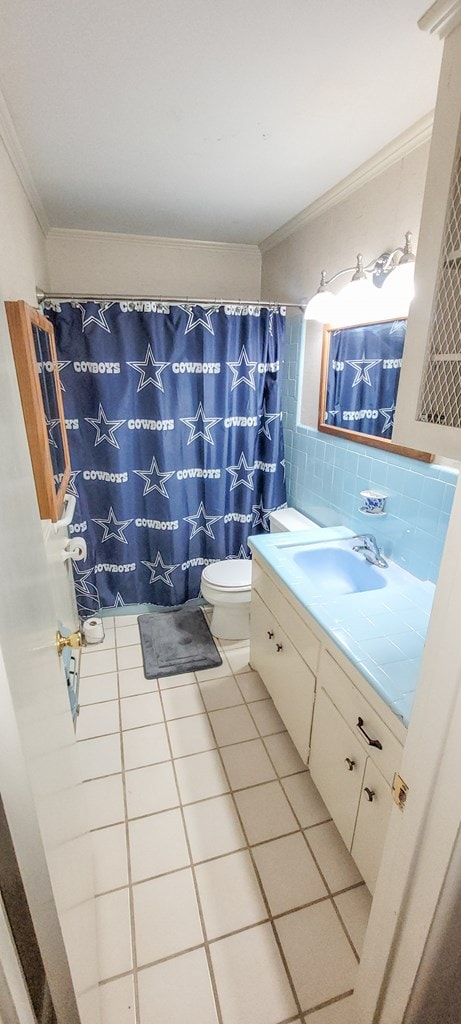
(321, 307)
(357, 303)
(398, 289)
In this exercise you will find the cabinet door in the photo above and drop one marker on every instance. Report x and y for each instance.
(428, 411)
(372, 821)
(337, 764)
(290, 682)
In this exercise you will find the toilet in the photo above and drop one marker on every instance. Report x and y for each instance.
(226, 585)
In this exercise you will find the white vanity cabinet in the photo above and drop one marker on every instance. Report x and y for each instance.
(285, 653)
(353, 758)
(337, 765)
(428, 415)
(350, 739)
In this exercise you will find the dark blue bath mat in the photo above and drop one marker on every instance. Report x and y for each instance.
(176, 641)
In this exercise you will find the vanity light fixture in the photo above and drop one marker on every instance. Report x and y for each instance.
(360, 298)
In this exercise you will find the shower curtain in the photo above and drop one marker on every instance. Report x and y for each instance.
(175, 435)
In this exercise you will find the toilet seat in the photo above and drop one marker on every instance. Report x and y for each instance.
(231, 574)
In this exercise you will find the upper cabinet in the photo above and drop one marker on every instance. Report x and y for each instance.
(429, 399)
(34, 351)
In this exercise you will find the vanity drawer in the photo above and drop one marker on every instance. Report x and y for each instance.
(300, 634)
(358, 712)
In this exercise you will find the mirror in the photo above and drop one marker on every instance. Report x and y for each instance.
(359, 380)
(46, 376)
(34, 352)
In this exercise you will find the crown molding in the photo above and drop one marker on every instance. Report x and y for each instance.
(405, 143)
(442, 17)
(19, 161)
(119, 238)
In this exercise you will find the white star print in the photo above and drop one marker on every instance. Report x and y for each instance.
(71, 486)
(242, 553)
(207, 522)
(98, 319)
(80, 578)
(388, 418)
(159, 484)
(120, 526)
(102, 434)
(261, 515)
(363, 367)
(151, 378)
(119, 602)
(249, 378)
(194, 320)
(268, 417)
(61, 365)
(51, 424)
(207, 423)
(163, 576)
(236, 471)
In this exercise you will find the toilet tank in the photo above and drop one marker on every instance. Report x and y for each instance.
(287, 519)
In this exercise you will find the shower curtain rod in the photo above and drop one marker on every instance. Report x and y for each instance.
(64, 297)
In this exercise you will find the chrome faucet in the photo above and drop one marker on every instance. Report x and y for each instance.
(370, 549)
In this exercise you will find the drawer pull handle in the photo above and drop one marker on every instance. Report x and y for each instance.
(370, 794)
(270, 633)
(350, 764)
(371, 743)
(279, 647)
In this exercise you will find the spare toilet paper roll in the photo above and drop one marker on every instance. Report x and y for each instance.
(93, 631)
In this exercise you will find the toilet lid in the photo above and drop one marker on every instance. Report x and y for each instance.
(230, 574)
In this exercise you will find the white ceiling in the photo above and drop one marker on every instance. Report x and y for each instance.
(207, 119)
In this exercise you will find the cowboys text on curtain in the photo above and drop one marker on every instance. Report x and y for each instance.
(174, 426)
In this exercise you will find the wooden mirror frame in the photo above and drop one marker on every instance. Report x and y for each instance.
(21, 321)
(355, 435)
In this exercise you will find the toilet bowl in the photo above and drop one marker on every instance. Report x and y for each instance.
(226, 585)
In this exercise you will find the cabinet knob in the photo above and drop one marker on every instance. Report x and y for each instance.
(270, 633)
(279, 647)
(369, 793)
(350, 764)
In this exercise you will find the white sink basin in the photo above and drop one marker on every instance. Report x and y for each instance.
(333, 569)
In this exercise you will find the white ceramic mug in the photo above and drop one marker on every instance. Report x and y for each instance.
(373, 502)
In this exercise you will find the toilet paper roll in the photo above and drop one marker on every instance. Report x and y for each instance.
(93, 631)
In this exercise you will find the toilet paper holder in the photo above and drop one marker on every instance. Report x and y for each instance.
(76, 549)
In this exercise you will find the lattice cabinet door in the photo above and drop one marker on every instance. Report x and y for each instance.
(429, 399)
(440, 394)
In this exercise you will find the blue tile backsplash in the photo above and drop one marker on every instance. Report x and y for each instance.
(326, 474)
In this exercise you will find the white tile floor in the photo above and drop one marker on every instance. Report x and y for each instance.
(225, 894)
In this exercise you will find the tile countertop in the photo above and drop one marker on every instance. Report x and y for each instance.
(382, 631)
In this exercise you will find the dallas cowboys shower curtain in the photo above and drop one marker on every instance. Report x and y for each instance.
(174, 426)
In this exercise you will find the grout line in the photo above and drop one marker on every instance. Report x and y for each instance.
(258, 877)
(128, 854)
(214, 986)
(329, 1002)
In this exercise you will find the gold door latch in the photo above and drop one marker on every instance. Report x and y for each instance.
(73, 640)
(399, 791)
